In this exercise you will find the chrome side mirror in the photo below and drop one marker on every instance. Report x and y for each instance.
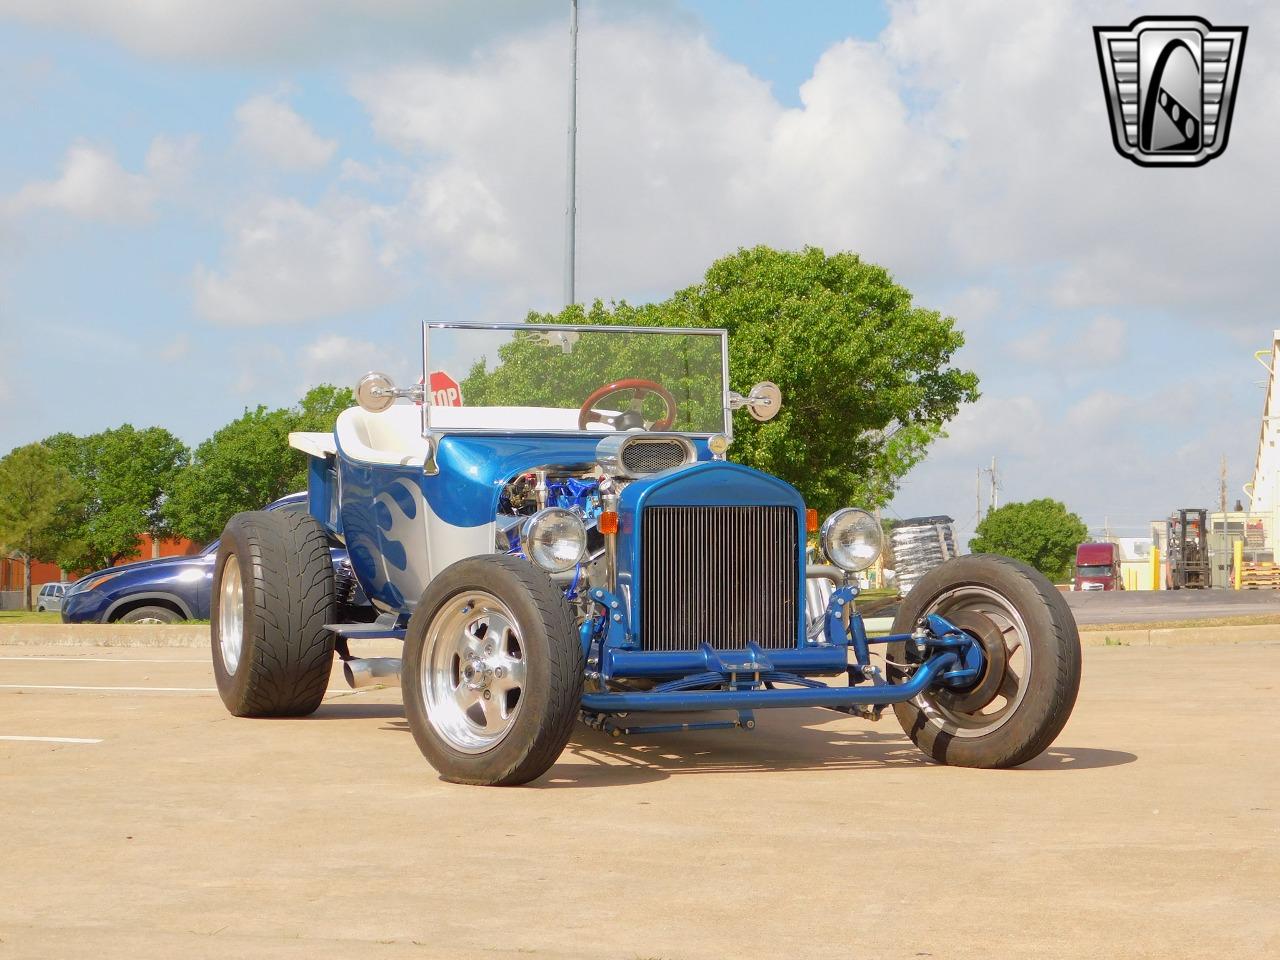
(376, 392)
(763, 402)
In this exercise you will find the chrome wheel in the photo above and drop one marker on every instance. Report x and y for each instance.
(1016, 668)
(473, 671)
(231, 615)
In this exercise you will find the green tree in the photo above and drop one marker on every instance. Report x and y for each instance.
(34, 491)
(249, 463)
(124, 475)
(1042, 533)
(866, 376)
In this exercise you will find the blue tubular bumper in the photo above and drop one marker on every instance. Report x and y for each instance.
(879, 693)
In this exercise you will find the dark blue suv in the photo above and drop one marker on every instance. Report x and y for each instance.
(170, 589)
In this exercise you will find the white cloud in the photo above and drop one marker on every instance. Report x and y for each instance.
(94, 186)
(970, 141)
(176, 349)
(1101, 342)
(290, 31)
(340, 360)
(288, 262)
(684, 155)
(271, 130)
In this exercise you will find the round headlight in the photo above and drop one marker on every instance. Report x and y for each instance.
(555, 539)
(852, 539)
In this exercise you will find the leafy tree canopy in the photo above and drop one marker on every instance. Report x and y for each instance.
(1042, 533)
(249, 463)
(35, 491)
(866, 377)
(124, 477)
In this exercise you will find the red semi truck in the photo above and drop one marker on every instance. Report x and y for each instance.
(1098, 567)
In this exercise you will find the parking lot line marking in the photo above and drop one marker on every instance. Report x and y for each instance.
(109, 659)
(52, 686)
(53, 739)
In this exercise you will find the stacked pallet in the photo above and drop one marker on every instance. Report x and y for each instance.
(919, 545)
(1260, 575)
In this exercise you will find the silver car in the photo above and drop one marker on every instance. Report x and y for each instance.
(50, 597)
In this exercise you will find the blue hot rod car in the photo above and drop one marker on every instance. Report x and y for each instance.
(570, 540)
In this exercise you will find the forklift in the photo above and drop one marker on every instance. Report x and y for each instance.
(1188, 549)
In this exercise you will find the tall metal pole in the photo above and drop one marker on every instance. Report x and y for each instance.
(571, 208)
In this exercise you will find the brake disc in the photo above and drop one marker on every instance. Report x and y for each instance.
(975, 696)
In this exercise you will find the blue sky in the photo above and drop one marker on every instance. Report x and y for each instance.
(210, 209)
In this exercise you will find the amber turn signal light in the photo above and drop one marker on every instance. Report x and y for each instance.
(811, 521)
(609, 522)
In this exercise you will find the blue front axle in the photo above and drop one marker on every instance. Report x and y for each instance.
(819, 696)
(747, 679)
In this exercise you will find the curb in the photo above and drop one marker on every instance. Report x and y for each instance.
(103, 635)
(1182, 636)
(197, 636)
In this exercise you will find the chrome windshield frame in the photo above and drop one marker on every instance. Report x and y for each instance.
(429, 325)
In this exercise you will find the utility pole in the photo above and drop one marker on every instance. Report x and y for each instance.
(995, 486)
(1225, 550)
(571, 208)
(979, 520)
(1222, 487)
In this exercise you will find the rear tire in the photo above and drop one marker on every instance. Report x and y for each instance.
(273, 592)
(492, 675)
(1038, 685)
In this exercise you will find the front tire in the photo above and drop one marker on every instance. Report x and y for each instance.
(492, 673)
(151, 615)
(1040, 668)
(273, 593)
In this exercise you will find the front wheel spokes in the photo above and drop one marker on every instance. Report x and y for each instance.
(1009, 684)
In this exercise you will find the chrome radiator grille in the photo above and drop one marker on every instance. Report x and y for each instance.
(723, 575)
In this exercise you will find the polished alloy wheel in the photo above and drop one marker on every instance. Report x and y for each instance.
(1016, 674)
(231, 615)
(473, 671)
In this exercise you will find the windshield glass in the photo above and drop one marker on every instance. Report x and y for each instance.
(520, 378)
(1094, 570)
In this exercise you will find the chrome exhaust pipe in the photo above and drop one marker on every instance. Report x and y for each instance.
(372, 671)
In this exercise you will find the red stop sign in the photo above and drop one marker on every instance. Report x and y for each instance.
(445, 391)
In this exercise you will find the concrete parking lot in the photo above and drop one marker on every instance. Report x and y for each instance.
(142, 821)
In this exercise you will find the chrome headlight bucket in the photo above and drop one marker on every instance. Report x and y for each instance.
(852, 539)
(555, 539)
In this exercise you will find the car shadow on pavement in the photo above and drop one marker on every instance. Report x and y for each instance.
(593, 759)
(340, 710)
(778, 744)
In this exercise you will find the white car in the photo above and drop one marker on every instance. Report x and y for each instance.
(50, 597)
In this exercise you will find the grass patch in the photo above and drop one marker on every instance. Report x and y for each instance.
(21, 616)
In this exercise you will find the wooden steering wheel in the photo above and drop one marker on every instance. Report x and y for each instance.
(632, 417)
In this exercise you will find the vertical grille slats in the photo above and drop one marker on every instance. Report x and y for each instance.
(723, 575)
